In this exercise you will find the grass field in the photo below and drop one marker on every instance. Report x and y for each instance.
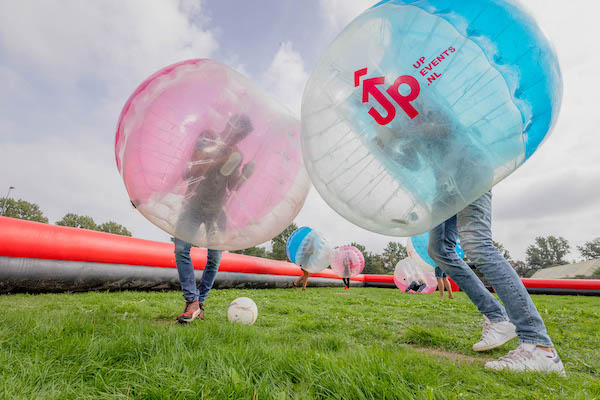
(324, 343)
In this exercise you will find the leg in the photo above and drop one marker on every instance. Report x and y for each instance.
(475, 229)
(213, 259)
(440, 282)
(442, 241)
(448, 288)
(185, 269)
(300, 278)
(304, 280)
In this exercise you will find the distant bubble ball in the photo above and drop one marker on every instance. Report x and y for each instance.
(348, 261)
(209, 157)
(309, 249)
(419, 107)
(407, 271)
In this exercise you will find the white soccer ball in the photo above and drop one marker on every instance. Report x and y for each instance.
(242, 310)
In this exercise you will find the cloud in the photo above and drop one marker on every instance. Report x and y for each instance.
(70, 42)
(556, 191)
(317, 214)
(286, 77)
(339, 13)
(67, 68)
(58, 175)
(84, 59)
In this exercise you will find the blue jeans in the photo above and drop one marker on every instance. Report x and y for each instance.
(187, 277)
(474, 227)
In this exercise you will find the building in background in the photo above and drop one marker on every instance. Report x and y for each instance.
(581, 269)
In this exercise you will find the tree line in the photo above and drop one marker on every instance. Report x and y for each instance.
(544, 252)
(22, 209)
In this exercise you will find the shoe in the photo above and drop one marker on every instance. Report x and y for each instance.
(494, 334)
(527, 357)
(345, 287)
(193, 310)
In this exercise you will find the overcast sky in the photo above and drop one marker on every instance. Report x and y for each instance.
(67, 67)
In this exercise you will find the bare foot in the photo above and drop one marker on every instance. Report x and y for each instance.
(451, 297)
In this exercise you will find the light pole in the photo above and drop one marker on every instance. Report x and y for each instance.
(6, 199)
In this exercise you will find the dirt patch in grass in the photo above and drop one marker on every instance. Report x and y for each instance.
(447, 354)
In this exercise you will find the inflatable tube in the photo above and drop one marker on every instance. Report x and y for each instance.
(28, 239)
(564, 291)
(55, 276)
(103, 257)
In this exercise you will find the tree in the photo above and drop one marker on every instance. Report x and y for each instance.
(255, 251)
(502, 250)
(362, 248)
(373, 262)
(113, 227)
(522, 269)
(280, 241)
(22, 209)
(78, 221)
(392, 254)
(590, 250)
(547, 252)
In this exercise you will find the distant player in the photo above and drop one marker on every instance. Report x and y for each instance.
(304, 260)
(416, 286)
(442, 280)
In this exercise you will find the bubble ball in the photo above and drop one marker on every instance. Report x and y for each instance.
(407, 271)
(309, 249)
(209, 157)
(347, 261)
(419, 107)
(416, 247)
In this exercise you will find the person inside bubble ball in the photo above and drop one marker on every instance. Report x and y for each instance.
(433, 143)
(416, 286)
(461, 168)
(308, 249)
(213, 174)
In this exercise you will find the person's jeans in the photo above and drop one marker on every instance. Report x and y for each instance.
(474, 227)
(185, 269)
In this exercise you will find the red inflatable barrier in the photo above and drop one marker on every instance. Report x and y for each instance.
(583, 284)
(26, 239)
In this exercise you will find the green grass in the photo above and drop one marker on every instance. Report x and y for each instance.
(323, 343)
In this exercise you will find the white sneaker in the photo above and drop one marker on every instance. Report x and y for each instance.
(494, 334)
(527, 357)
